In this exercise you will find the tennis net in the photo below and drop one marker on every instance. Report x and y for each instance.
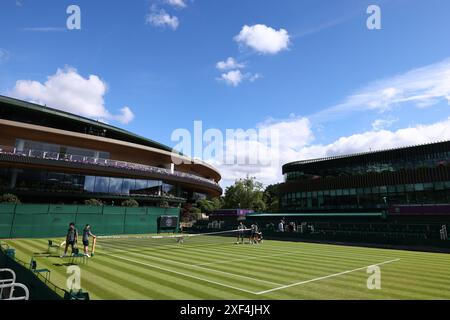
(108, 244)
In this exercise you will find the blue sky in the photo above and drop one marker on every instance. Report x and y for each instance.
(167, 76)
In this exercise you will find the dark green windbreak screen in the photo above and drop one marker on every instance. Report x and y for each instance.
(37, 221)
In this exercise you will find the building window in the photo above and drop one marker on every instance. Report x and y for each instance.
(115, 185)
(101, 185)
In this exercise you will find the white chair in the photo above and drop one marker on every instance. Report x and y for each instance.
(10, 285)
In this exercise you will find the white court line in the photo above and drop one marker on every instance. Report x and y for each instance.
(324, 277)
(183, 274)
(208, 269)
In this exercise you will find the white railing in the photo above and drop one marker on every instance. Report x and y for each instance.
(8, 286)
(49, 155)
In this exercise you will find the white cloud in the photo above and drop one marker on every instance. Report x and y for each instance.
(277, 141)
(254, 77)
(228, 64)
(380, 124)
(380, 140)
(177, 3)
(235, 77)
(67, 90)
(296, 142)
(232, 78)
(160, 18)
(263, 39)
(4, 55)
(421, 87)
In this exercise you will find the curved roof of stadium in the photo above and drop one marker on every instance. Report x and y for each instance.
(367, 154)
(56, 113)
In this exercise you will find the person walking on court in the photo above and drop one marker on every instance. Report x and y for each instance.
(71, 239)
(254, 230)
(241, 232)
(86, 234)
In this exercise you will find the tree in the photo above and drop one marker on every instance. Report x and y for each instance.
(246, 194)
(131, 203)
(195, 210)
(164, 204)
(9, 198)
(93, 202)
(207, 206)
(190, 213)
(271, 198)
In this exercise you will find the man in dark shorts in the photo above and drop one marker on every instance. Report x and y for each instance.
(258, 235)
(86, 234)
(241, 232)
(253, 232)
(71, 238)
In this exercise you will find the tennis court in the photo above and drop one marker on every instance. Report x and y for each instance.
(215, 267)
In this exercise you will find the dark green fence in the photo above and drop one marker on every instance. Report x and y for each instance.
(36, 221)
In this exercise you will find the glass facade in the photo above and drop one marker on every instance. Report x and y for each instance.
(362, 182)
(368, 198)
(322, 170)
(49, 147)
(48, 181)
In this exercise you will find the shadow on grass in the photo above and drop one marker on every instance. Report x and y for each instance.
(67, 264)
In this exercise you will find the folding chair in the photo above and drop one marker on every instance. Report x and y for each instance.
(34, 269)
(9, 285)
(11, 253)
(53, 246)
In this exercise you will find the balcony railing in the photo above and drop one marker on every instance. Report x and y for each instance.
(56, 156)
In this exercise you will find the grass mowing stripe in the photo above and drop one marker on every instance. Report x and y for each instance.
(205, 268)
(366, 250)
(249, 269)
(129, 285)
(94, 279)
(167, 281)
(296, 272)
(293, 267)
(241, 259)
(28, 246)
(183, 274)
(417, 276)
(153, 284)
(108, 277)
(325, 277)
(185, 252)
(309, 251)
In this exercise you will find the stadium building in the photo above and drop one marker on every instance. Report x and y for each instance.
(51, 156)
(371, 181)
(400, 195)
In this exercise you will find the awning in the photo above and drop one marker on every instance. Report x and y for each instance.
(319, 214)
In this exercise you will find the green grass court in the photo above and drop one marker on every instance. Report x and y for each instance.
(137, 269)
